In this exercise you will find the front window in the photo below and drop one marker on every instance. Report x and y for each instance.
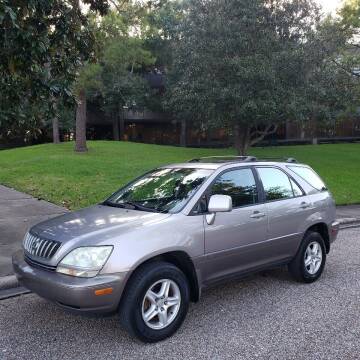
(164, 190)
(239, 184)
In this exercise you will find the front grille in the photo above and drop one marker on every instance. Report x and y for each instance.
(39, 265)
(39, 247)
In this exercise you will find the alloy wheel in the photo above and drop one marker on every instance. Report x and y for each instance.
(161, 304)
(313, 258)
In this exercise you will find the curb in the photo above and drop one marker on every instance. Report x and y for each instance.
(8, 282)
(13, 292)
(346, 221)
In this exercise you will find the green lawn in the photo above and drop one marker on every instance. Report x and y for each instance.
(55, 173)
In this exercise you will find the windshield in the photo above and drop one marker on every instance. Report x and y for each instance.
(162, 190)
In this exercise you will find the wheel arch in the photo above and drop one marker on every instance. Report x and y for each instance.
(181, 260)
(323, 230)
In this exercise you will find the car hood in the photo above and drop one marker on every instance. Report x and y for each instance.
(97, 222)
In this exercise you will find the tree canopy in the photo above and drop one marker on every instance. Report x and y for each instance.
(243, 65)
(43, 42)
(248, 65)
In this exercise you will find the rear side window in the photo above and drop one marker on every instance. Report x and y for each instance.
(239, 184)
(309, 176)
(276, 183)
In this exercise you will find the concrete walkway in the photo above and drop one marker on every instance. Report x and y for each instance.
(348, 214)
(18, 212)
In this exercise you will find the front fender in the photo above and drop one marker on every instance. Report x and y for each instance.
(176, 233)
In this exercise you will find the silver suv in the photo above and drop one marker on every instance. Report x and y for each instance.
(155, 244)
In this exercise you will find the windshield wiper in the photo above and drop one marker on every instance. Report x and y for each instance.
(134, 205)
(142, 207)
(129, 204)
(109, 203)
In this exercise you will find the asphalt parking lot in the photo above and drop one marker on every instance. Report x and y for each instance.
(265, 316)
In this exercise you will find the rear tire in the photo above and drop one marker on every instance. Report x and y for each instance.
(152, 293)
(309, 262)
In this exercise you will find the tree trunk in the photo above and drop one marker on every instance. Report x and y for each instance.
(55, 122)
(80, 141)
(55, 129)
(287, 130)
(313, 124)
(122, 125)
(116, 130)
(183, 133)
(241, 139)
(302, 131)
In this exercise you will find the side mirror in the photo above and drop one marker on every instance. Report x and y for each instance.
(218, 203)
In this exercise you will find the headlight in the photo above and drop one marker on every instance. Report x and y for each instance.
(84, 261)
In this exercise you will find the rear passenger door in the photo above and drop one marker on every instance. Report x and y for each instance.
(287, 210)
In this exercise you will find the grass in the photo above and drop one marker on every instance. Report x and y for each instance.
(55, 173)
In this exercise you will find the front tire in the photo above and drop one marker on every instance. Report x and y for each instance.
(309, 262)
(155, 302)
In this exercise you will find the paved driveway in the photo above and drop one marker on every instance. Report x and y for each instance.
(266, 316)
(19, 211)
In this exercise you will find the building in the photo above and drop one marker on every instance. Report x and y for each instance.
(160, 128)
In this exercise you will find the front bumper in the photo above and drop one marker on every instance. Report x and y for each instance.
(74, 293)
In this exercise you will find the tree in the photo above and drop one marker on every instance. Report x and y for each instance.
(43, 44)
(116, 81)
(124, 85)
(330, 88)
(350, 14)
(159, 29)
(88, 85)
(348, 26)
(243, 64)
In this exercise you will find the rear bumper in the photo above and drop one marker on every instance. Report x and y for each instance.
(73, 293)
(334, 231)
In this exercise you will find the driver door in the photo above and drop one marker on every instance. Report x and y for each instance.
(236, 240)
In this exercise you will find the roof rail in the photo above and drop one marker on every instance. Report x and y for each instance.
(221, 159)
(230, 158)
(283, 159)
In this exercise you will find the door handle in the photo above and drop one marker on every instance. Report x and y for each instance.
(304, 205)
(257, 215)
